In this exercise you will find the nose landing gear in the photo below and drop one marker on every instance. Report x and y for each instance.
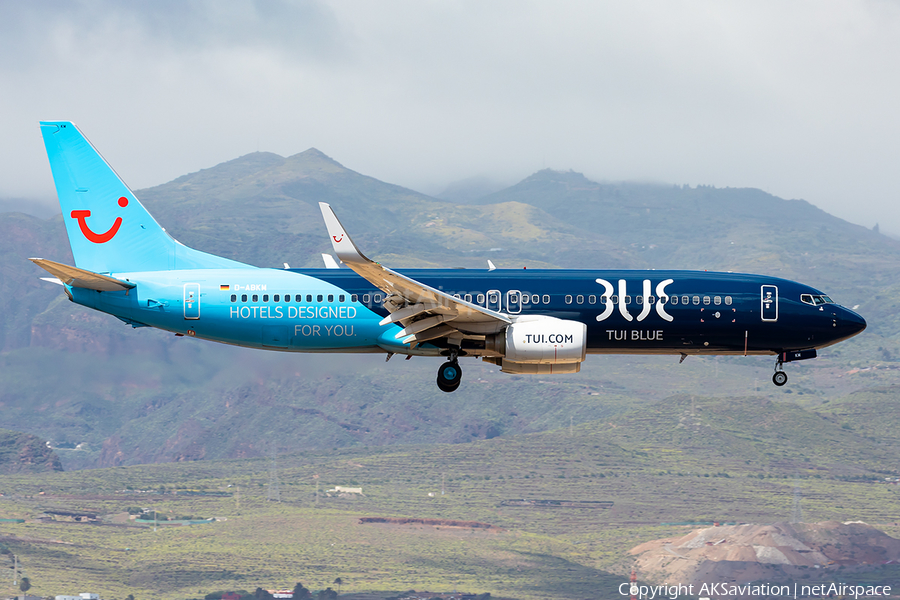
(449, 376)
(780, 377)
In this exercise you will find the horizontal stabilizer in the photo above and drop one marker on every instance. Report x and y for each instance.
(81, 278)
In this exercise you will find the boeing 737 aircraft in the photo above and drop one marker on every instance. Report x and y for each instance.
(526, 321)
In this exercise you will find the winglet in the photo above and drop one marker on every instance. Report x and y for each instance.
(344, 247)
(491, 266)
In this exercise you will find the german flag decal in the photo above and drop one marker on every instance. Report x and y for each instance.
(224, 288)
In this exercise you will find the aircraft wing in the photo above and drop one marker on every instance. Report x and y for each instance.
(424, 312)
(82, 278)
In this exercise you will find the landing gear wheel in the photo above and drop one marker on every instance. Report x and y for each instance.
(779, 378)
(449, 376)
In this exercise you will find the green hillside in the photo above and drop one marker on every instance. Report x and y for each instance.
(23, 453)
(564, 507)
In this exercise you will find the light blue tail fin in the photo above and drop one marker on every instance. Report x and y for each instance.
(109, 230)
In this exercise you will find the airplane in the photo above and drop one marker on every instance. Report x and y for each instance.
(526, 321)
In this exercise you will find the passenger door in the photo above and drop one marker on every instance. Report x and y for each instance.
(192, 301)
(769, 303)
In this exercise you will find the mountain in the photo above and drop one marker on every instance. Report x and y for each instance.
(122, 396)
(469, 190)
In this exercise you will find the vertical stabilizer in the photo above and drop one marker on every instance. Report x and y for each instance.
(109, 230)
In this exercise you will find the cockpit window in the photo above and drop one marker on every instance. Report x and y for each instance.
(815, 299)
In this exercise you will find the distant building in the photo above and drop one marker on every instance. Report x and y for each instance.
(339, 489)
(82, 596)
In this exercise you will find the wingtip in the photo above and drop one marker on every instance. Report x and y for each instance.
(343, 246)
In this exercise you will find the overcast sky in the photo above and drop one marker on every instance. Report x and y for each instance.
(801, 99)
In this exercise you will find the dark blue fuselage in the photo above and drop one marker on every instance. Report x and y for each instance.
(723, 312)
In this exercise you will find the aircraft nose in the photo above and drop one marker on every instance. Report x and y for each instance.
(848, 323)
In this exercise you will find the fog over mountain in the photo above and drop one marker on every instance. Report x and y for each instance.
(795, 99)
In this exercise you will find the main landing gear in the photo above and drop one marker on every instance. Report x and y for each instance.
(449, 375)
(780, 377)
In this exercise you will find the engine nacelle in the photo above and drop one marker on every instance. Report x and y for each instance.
(540, 340)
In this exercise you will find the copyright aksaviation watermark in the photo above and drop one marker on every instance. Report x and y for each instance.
(714, 591)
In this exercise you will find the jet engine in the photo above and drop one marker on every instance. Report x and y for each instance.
(539, 345)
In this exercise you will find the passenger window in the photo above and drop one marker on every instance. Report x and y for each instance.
(365, 298)
(717, 300)
(298, 298)
(234, 297)
(639, 299)
(467, 297)
(546, 299)
(276, 298)
(457, 296)
(705, 300)
(341, 298)
(686, 300)
(652, 299)
(331, 297)
(255, 298)
(354, 298)
(376, 298)
(265, 297)
(309, 297)
(592, 299)
(674, 299)
(728, 300)
(287, 297)
(480, 299)
(603, 299)
(318, 297)
(568, 299)
(243, 297)
(579, 299)
(615, 299)
(696, 300)
(627, 299)
(535, 299)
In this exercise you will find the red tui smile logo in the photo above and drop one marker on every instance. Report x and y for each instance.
(98, 238)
